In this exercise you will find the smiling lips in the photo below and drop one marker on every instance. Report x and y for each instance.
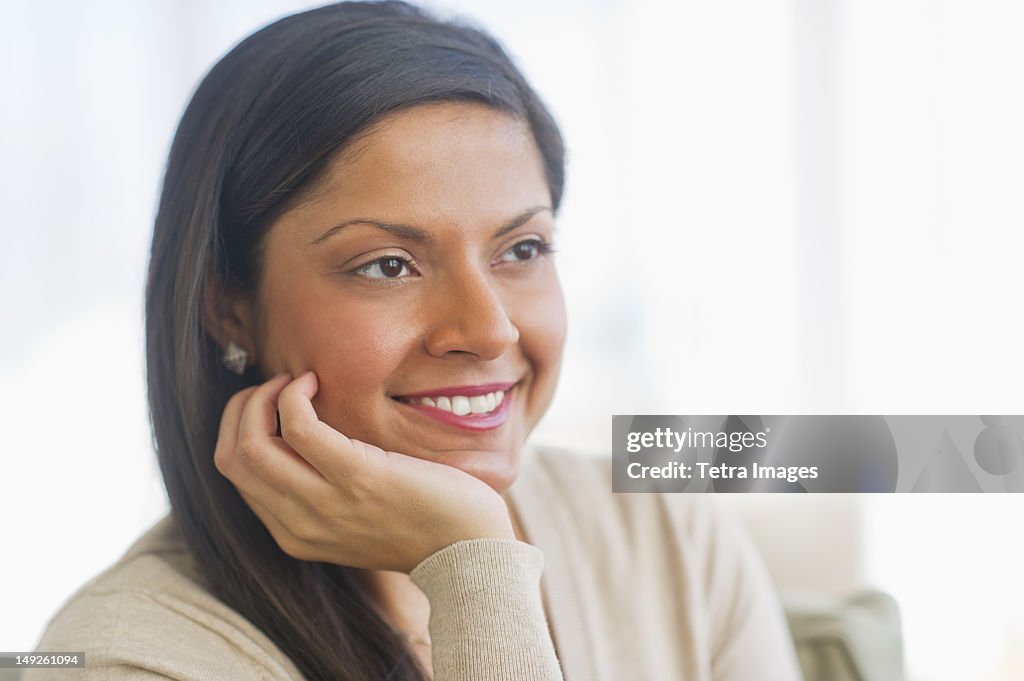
(477, 407)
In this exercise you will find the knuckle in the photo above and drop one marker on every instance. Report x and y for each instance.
(305, 532)
(290, 546)
(295, 432)
(295, 546)
(248, 448)
(359, 490)
(221, 460)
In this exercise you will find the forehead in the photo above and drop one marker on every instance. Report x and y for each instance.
(449, 162)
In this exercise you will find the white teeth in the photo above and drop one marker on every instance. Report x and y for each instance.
(478, 404)
(460, 405)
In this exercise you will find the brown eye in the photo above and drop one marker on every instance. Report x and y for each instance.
(388, 267)
(526, 250)
(391, 267)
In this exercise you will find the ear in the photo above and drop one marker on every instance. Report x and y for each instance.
(229, 317)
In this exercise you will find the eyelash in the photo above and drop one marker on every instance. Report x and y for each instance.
(543, 248)
(363, 269)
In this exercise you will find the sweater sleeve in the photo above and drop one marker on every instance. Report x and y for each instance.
(486, 616)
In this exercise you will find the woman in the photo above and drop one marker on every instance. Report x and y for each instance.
(353, 324)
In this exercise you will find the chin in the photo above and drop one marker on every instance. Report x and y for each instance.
(497, 470)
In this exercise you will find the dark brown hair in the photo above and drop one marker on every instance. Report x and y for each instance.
(256, 136)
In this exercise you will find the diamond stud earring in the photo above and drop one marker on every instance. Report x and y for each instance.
(235, 358)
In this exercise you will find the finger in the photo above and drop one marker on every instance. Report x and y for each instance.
(279, 532)
(259, 415)
(329, 451)
(227, 435)
(259, 420)
(230, 423)
(230, 461)
(246, 470)
(266, 455)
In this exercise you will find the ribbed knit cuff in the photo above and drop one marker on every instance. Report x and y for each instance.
(486, 616)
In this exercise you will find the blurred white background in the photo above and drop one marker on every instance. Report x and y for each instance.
(774, 206)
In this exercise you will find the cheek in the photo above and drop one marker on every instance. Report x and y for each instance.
(542, 329)
(353, 348)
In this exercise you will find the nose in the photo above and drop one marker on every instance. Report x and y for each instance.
(468, 316)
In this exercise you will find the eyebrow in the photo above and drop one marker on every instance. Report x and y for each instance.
(419, 234)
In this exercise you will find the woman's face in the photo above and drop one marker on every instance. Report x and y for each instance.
(416, 284)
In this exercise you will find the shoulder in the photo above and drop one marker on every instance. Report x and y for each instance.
(151, 614)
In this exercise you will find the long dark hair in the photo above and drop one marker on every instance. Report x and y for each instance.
(258, 134)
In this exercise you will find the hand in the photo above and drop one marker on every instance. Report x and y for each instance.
(326, 497)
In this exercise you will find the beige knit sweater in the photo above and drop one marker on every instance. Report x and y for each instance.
(641, 587)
